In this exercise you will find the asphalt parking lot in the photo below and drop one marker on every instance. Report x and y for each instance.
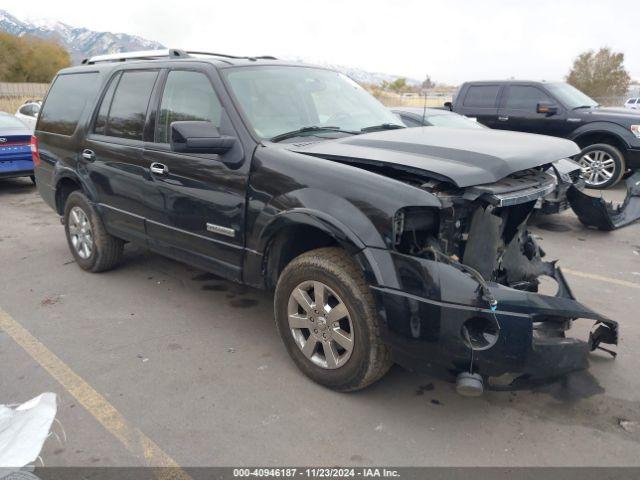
(156, 362)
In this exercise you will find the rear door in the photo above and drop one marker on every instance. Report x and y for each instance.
(518, 111)
(481, 102)
(112, 154)
(200, 198)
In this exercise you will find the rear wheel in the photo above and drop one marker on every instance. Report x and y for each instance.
(602, 165)
(92, 247)
(326, 317)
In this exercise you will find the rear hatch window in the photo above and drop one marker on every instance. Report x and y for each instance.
(66, 100)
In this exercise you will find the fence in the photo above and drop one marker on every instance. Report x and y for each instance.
(12, 95)
(394, 100)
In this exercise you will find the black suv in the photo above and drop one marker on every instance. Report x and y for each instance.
(609, 137)
(382, 243)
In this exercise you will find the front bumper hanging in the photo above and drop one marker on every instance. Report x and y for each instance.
(595, 212)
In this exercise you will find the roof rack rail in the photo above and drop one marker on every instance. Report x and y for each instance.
(224, 55)
(140, 55)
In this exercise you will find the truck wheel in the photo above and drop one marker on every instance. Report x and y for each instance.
(326, 317)
(602, 165)
(92, 247)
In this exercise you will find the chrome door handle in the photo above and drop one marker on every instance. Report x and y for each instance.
(503, 119)
(158, 168)
(88, 155)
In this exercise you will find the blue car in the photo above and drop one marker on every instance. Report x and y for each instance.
(15, 148)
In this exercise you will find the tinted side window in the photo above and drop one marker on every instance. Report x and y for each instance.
(481, 96)
(521, 97)
(187, 96)
(100, 126)
(129, 105)
(66, 101)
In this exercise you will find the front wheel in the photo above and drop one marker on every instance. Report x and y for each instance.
(602, 165)
(326, 317)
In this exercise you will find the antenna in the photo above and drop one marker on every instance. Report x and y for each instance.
(424, 107)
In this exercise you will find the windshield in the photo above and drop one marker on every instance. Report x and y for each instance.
(570, 96)
(278, 99)
(452, 121)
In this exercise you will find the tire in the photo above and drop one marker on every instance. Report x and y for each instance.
(608, 162)
(103, 251)
(33, 179)
(343, 283)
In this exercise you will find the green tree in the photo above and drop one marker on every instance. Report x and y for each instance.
(399, 85)
(30, 59)
(600, 74)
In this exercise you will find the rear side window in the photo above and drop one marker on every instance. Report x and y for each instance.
(188, 96)
(481, 96)
(66, 101)
(124, 107)
(521, 97)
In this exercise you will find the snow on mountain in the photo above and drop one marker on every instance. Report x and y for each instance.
(80, 42)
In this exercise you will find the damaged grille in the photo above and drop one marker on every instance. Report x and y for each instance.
(521, 187)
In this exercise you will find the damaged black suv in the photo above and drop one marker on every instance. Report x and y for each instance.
(383, 244)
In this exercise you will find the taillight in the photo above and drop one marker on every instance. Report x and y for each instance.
(35, 152)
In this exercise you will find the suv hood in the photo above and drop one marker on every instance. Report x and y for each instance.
(464, 157)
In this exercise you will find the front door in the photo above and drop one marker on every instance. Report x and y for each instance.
(112, 155)
(519, 111)
(201, 195)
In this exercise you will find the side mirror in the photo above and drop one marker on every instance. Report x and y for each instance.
(198, 137)
(547, 108)
(448, 106)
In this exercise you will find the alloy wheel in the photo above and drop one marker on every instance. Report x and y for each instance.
(320, 324)
(80, 232)
(598, 167)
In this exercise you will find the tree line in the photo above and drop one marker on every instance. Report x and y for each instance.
(30, 59)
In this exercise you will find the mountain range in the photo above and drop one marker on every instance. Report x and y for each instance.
(82, 43)
(79, 42)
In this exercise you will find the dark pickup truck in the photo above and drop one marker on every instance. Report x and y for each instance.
(609, 138)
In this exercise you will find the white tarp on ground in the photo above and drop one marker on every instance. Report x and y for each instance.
(24, 429)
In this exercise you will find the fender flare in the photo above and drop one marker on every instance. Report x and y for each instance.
(312, 218)
(60, 173)
(335, 229)
(605, 128)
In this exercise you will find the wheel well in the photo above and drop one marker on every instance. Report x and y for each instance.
(592, 138)
(289, 243)
(63, 190)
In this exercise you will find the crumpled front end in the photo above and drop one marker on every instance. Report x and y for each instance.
(460, 291)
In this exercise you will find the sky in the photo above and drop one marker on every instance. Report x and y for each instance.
(451, 41)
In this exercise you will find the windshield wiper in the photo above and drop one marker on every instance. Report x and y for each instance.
(382, 126)
(585, 106)
(312, 128)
